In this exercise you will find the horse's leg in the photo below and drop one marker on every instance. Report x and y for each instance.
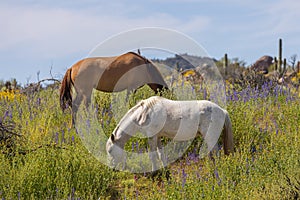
(210, 143)
(163, 158)
(161, 153)
(157, 88)
(211, 133)
(75, 107)
(213, 153)
(87, 100)
(153, 152)
(127, 95)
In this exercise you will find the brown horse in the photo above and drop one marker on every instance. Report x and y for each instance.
(128, 71)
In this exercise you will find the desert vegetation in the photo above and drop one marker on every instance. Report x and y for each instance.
(41, 157)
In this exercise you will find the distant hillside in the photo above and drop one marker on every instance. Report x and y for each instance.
(184, 61)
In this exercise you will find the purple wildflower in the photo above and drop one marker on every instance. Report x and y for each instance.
(38, 101)
(56, 138)
(88, 123)
(137, 146)
(193, 89)
(235, 95)
(5, 115)
(132, 146)
(204, 93)
(217, 176)
(184, 176)
(253, 149)
(62, 137)
(198, 175)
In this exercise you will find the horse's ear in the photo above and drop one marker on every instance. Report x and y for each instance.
(112, 137)
(142, 118)
(142, 113)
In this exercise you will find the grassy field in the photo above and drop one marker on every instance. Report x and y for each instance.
(42, 158)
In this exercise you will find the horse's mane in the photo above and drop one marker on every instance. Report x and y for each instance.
(147, 61)
(147, 104)
(150, 102)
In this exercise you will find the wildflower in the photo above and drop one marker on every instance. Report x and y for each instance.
(204, 93)
(235, 95)
(132, 146)
(5, 115)
(184, 176)
(137, 146)
(217, 176)
(198, 175)
(38, 102)
(247, 166)
(10, 95)
(136, 178)
(88, 123)
(62, 137)
(193, 89)
(253, 149)
(56, 138)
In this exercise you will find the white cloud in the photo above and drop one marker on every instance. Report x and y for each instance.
(38, 32)
(287, 14)
(58, 32)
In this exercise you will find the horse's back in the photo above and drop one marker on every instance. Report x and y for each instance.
(113, 74)
(127, 71)
(90, 67)
(103, 72)
(196, 105)
(202, 111)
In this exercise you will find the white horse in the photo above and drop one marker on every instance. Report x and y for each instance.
(158, 117)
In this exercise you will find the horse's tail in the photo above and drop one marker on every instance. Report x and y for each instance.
(66, 90)
(227, 135)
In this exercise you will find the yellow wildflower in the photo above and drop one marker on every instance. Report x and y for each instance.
(10, 95)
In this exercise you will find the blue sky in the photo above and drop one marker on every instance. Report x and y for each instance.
(38, 35)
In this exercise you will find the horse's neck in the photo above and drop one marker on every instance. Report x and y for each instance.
(127, 125)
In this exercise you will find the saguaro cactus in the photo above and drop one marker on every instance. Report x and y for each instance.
(284, 65)
(275, 63)
(280, 56)
(225, 64)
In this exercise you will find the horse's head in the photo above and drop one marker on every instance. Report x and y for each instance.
(114, 151)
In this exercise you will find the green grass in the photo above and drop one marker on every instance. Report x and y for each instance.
(49, 160)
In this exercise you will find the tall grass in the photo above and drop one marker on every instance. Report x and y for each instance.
(46, 159)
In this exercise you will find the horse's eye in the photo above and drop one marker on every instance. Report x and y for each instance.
(112, 137)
